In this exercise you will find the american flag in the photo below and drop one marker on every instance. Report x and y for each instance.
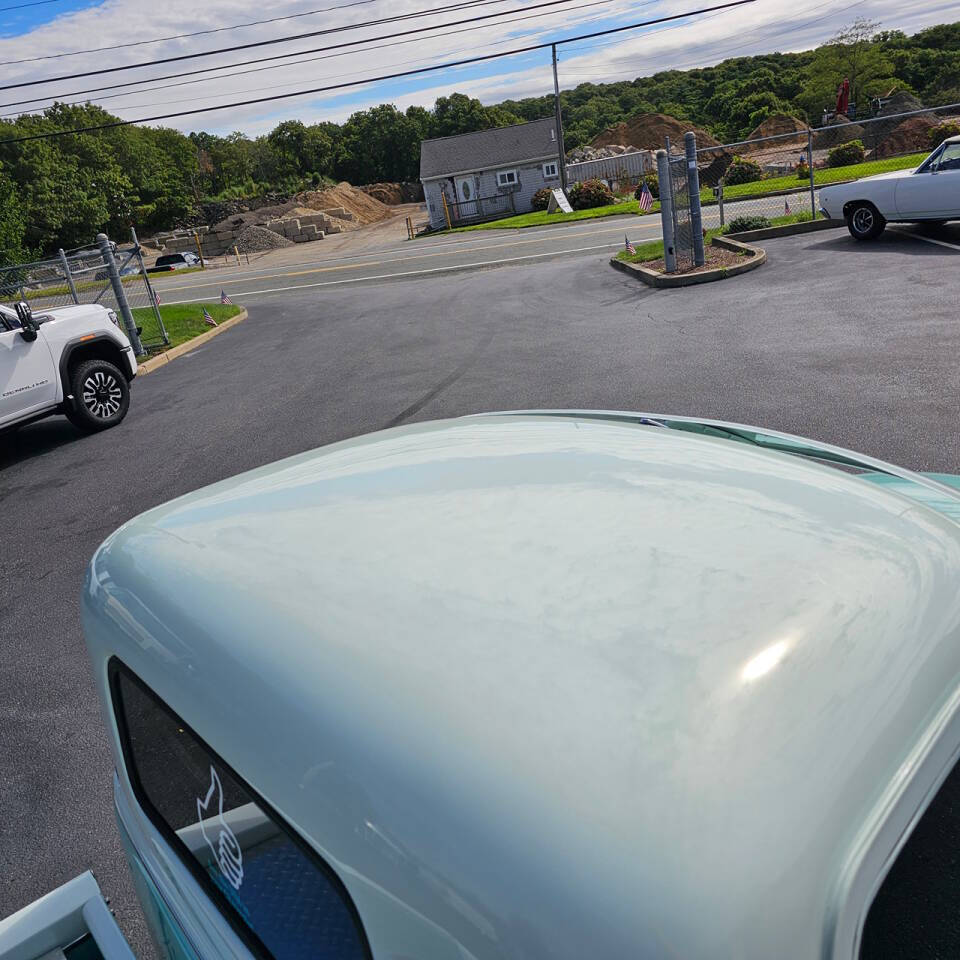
(156, 298)
(786, 208)
(631, 249)
(223, 297)
(207, 319)
(646, 198)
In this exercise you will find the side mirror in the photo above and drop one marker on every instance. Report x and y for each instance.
(28, 326)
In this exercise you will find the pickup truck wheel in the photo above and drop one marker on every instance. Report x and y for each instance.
(101, 395)
(865, 222)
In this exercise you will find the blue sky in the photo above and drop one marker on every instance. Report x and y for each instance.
(67, 26)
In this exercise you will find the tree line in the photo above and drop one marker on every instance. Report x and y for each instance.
(62, 191)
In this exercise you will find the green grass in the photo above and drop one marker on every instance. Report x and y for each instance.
(183, 321)
(654, 249)
(743, 191)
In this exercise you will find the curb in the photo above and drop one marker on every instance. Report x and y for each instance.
(183, 348)
(788, 229)
(667, 281)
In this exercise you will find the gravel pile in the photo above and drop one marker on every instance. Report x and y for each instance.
(259, 239)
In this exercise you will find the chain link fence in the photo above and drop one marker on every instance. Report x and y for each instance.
(83, 276)
(778, 176)
(682, 220)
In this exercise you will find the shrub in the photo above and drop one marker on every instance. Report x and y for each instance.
(653, 183)
(742, 171)
(541, 199)
(846, 154)
(742, 224)
(589, 194)
(803, 171)
(939, 133)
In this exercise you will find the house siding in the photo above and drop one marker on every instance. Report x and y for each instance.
(529, 176)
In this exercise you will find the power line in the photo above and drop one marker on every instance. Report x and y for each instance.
(278, 86)
(379, 79)
(22, 6)
(267, 43)
(274, 66)
(240, 26)
(182, 83)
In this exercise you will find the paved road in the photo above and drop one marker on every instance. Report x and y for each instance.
(854, 344)
(431, 256)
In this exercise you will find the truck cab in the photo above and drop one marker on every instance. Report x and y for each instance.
(71, 360)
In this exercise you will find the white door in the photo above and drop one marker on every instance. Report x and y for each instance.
(28, 378)
(934, 193)
(466, 197)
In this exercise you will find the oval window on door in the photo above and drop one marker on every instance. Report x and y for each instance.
(465, 189)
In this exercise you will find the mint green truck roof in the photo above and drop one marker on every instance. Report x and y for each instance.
(561, 686)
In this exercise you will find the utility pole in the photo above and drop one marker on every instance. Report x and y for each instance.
(561, 153)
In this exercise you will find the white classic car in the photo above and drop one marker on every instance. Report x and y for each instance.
(930, 193)
(549, 685)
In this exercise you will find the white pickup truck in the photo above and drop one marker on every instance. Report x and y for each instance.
(72, 360)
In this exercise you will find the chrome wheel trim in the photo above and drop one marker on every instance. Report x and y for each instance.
(863, 220)
(101, 394)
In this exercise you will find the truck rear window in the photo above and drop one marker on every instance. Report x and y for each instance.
(166, 261)
(277, 893)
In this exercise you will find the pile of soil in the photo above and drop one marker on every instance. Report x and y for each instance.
(778, 125)
(648, 131)
(833, 135)
(909, 136)
(259, 239)
(394, 194)
(902, 102)
(365, 209)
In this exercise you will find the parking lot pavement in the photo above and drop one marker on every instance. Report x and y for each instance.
(856, 344)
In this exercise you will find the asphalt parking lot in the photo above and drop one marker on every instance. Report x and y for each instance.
(855, 344)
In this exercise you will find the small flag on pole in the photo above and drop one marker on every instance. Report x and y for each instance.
(786, 207)
(156, 298)
(223, 297)
(631, 249)
(207, 319)
(646, 198)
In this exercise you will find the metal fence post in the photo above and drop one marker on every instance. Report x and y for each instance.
(666, 210)
(146, 280)
(693, 184)
(813, 197)
(68, 275)
(107, 253)
(719, 192)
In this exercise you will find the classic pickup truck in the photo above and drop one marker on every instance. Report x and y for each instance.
(550, 685)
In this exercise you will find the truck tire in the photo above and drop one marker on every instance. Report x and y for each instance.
(101, 396)
(864, 221)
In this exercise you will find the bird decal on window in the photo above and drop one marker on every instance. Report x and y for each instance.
(226, 850)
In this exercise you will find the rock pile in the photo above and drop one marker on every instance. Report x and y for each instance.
(259, 239)
(581, 154)
(649, 131)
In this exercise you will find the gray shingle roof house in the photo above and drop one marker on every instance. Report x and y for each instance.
(488, 173)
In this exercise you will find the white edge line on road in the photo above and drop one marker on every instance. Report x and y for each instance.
(411, 273)
(920, 236)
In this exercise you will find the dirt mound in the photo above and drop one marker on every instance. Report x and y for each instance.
(648, 131)
(881, 129)
(258, 239)
(909, 136)
(394, 194)
(365, 209)
(778, 125)
(834, 134)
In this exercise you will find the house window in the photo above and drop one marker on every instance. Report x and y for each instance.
(550, 170)
(506, 178)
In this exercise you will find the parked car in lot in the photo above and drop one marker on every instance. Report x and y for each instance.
(175, 261)
(930, 193)
(550, 685)
(71, 360)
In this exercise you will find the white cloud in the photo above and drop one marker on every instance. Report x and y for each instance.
(760, 27)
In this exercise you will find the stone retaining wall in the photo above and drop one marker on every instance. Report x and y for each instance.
(216, 244)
